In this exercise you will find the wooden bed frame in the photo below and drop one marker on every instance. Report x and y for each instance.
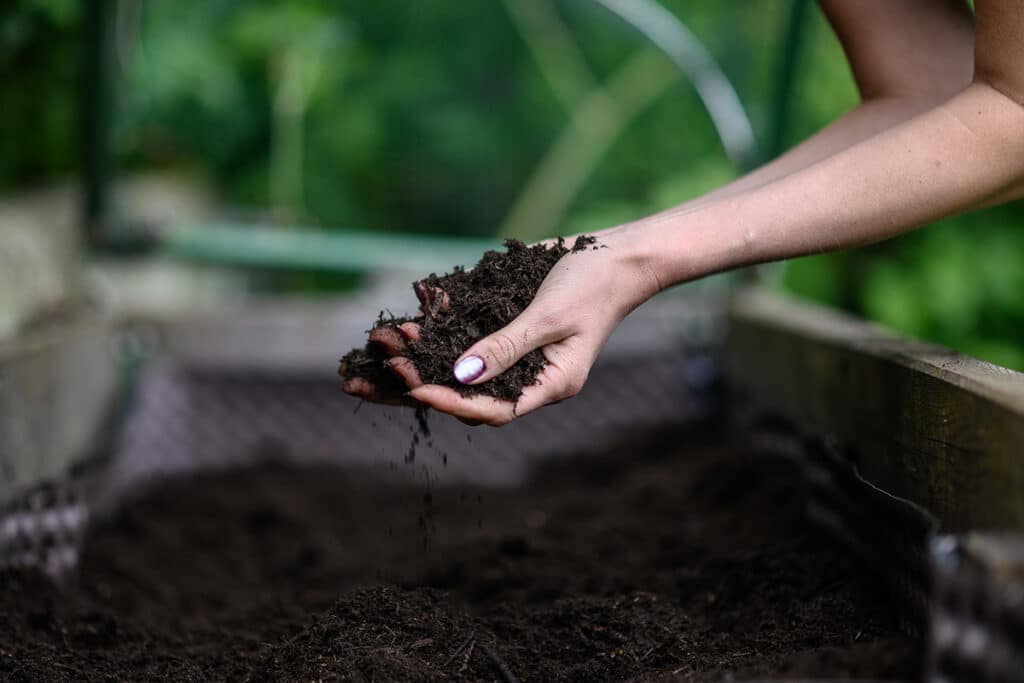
(940, 429)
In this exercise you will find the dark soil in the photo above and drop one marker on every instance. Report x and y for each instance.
(671, 558)
(479, 302)
(370, 363)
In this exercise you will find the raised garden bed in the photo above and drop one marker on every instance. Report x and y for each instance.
(250, 525)
(671, 556)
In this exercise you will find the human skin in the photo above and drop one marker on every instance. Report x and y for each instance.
(940, 130)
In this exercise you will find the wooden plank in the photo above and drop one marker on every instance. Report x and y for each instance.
(922, 422)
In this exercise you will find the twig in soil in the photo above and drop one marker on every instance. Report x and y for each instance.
(458, 651)
(506, 675)
(467, 656)
(660, 645)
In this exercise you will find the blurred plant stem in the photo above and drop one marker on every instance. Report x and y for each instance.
(552, 45)
(293, 72)
(594, 126)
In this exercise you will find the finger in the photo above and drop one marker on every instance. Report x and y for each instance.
(405, 370)
(422, 292)
(361, 388)
(432, 299)
(357, 386)
(410, 331)
(389, 338)
(497, 352)
(479, 409)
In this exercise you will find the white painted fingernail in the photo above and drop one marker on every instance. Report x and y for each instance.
(469, 368)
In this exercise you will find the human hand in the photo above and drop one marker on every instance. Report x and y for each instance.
(578, 305)
(366, 370)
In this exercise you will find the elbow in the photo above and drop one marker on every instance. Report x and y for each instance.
(1005, 117)
(941, 88)
(1010, 88)
(928, 84)
(925, 90)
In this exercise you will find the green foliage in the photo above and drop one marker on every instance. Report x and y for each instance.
(959, 282)
(405, 116)
(38, 58)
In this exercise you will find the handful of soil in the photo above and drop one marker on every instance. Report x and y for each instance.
(460, 308)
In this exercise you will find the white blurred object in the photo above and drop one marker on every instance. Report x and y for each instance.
(39, 266)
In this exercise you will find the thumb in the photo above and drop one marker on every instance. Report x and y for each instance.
(496, 353)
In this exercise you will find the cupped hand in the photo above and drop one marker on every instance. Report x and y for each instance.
(584, 297)
(393, 340)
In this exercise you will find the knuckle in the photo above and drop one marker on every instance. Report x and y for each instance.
(504, 348)
(557, 322)
(573, 385)
(550, 319)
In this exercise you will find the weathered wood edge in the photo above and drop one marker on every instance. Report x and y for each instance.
(922, 422)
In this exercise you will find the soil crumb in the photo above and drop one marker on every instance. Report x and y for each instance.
(667, 558)
(461, 307)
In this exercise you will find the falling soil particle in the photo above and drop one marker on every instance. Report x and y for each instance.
(477, 302)
(670, 557)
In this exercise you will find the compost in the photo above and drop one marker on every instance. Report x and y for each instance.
(460, 308)
(671, 556)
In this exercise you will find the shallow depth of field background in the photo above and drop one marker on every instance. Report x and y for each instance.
(432, 117)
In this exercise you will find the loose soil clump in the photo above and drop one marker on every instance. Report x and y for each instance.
(460, 308)
(669, 557)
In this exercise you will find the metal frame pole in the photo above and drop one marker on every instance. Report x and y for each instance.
(96, 102)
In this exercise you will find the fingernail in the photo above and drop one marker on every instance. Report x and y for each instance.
(421, 292)
(469, 368)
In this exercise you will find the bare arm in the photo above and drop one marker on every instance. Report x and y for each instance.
(891, 50)
(963, 153)
(874, 175)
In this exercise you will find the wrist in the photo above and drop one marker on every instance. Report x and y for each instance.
(636, 258)
(653, 253)
(691, 244)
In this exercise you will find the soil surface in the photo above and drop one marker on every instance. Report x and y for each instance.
(671, 557)
(460, 308)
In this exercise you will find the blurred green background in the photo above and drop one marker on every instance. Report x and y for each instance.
(435, 117)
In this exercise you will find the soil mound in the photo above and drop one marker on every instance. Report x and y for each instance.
(670, 557)
(461, 307)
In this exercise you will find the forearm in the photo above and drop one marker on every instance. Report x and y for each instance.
(906, 58)
(965, 153)
(867, 119)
